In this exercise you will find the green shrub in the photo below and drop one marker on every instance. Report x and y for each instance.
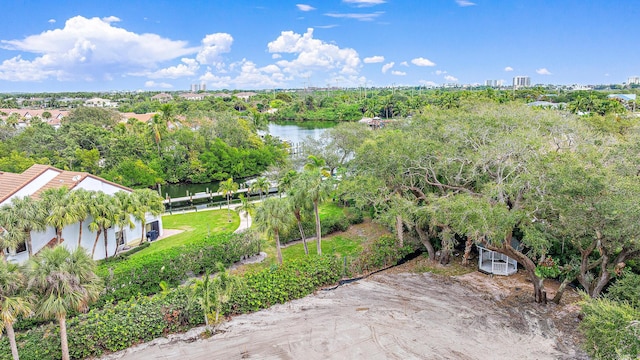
(130, 277)
(612, 329)
(279, 284)
(329, 223)
(626, 288)
(129, 322)
(381, 253)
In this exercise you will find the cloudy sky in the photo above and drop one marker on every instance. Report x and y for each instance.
(234, 44)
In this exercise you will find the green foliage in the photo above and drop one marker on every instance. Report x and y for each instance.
(279, 284)
(119, 326)
(548, 269)
(626, 288)
(381, 253)
(141, 275)
(612, 329)
(332, 219)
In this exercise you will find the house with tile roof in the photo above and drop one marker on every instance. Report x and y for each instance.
(38, 178)
(162, 97)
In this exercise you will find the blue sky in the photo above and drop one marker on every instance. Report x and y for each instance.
(234, 44)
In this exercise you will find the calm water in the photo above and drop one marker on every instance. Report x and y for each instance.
(292, 132)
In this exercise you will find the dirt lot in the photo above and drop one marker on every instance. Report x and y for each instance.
(397, 314)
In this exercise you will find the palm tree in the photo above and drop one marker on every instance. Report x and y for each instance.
(261, 186)
(65, 281)
(11, 236)
(124, 208)
(61, 212)
(29, 216)
(212, 293)
(246, 206)
(300, 203)
(274, 217)
(80, 200)
(102, 209)
(13, 303)
(315, 180)
(228, 188)
(146, 201)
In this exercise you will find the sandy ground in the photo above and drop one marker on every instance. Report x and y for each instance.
(392, 315)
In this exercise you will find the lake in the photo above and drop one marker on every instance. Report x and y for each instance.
(292, 132)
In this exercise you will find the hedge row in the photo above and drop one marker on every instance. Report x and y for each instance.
(116, 327)
(141, 275)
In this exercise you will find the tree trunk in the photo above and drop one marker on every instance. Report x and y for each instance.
(142, 225)
(12, 339)
(424, 239)
(399, 231)
(59, 235)
(539, 293)
(301, 229)
(467, 251)
(318, 232)
(278, 250)
(63, 337)
(28, 244)
(556, 299)
(95, 243)
(105, 236)
(602, 281)
(80, 235)
(206, 320)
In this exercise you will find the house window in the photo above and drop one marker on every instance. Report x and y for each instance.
(22, 247)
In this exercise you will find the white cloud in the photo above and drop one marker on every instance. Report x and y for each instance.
(110, 19)
(189, 67)
(85, 49)
(508, 68)
(404, 63)
(465, 3)
(276, 56)
(373, 59)
(305, 7)
(212, 46)
(363, 3)
(153, 84)
(422, 62)
(398, 73)
(313, 54)
(215, 81)
(326, 26)
(386, 67)
(440, 72)
(543, 71)
(359, 17)
(450, 78)
(52, 21)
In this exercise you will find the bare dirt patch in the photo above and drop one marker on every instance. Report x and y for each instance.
(392, 315)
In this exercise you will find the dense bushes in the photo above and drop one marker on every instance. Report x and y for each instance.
(142, 275)
(117, 327)
(626, 288)
(279, 284)
(612, 329)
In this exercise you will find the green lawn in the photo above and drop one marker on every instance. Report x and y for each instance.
(195, 226)
(335, 245)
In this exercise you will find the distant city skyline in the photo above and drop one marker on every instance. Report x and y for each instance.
(167, 45)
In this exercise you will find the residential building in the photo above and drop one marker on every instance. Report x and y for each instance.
(99, 102)
(245, 95)
(521, 82)
(162, 97)
(633, 80)
(493, 83)
(192, 96)
(33, 181)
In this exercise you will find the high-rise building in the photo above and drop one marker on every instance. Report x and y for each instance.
(493, 83)
(203, 87)
(195, 88)
(633, 80)
(521, 81)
